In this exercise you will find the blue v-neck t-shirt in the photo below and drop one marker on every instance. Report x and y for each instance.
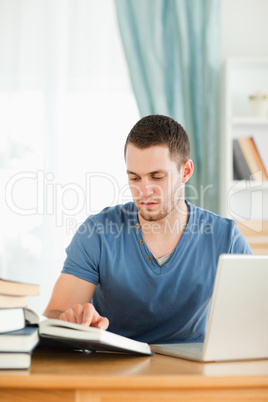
(142, 300)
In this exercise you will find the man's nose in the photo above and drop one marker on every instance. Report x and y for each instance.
(146, 189)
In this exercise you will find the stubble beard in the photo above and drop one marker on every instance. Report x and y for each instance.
(154, 217)
(172, 205)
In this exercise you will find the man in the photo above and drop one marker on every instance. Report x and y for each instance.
(146, 268)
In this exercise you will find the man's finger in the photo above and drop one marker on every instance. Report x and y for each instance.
(103, 323)
(88, 314)
(91, 317)
(78, 313)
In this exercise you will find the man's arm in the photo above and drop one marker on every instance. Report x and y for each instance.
(70, 301)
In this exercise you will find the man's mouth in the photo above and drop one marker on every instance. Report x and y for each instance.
(148, 204)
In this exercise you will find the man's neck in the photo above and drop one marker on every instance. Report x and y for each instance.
(163, 236)
(173, 224)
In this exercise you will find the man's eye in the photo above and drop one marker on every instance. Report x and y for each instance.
(134, 178)
(158, 177)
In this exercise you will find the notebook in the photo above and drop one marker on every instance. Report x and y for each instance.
(237, 327)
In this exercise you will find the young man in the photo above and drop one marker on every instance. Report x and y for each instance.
(146, 268)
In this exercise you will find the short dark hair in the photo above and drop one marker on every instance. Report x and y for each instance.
(161, 130)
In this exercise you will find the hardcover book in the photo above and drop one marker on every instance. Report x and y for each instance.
(11, 319)
(15, 361)
(58, 333)
(76, 336)
(22, 340)
(12, 288)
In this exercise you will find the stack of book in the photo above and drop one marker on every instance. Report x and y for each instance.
(250, 158)
(21, 329)
(17, 340)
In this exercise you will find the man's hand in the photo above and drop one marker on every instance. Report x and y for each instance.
(85, 314)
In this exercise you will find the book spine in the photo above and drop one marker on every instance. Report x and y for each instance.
(250, 157)
(259, 160)
(240, 167)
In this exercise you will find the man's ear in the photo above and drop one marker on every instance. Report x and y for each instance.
(187, 170)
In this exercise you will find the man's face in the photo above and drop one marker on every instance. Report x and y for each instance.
(155, 181)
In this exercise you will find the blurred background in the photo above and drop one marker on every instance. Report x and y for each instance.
(75, 76)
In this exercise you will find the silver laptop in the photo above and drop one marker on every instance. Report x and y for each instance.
(237, 327)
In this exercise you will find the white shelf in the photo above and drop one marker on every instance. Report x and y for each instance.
(249, 120)
(246, 198)
(249, 184)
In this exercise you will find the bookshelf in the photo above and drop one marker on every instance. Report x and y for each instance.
(246, 201)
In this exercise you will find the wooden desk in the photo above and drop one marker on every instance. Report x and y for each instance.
(256, 233)
(57, 375)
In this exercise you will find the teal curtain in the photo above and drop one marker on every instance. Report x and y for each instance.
(172, 51)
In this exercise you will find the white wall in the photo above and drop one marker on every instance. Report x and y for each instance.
(244, 28)
(244, 32)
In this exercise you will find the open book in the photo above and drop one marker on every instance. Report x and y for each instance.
(59, 333)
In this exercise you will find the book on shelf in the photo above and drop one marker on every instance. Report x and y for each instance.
(246, 152)
(258, 159)
(261, 143)
(241, 169)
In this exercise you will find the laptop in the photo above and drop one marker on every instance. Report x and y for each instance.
(237, 327)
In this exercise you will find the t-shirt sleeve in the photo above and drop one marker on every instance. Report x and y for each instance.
(83, 253)
(239, 244)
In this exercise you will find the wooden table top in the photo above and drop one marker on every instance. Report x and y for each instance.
(56, 368)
